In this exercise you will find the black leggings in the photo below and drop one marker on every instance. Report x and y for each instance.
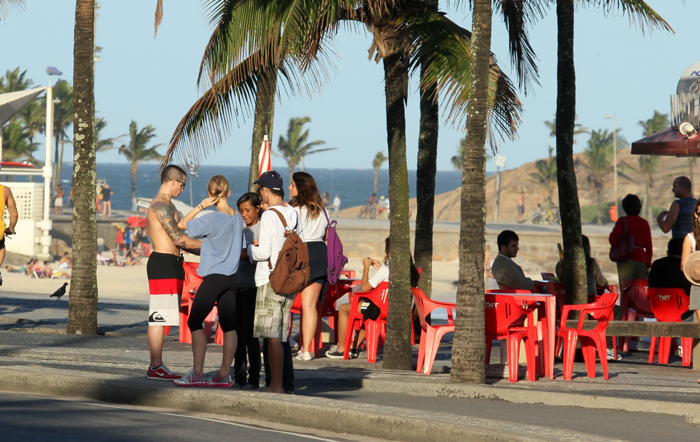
(215, 289)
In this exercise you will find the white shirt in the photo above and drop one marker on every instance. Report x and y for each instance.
(271, 240)
(314, 229)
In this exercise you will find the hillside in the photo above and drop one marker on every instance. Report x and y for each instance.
(514, 181)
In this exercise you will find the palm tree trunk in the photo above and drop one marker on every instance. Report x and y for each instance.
(376, 180)
(398, 354)
(82, 303)
(469, 343)
(134, 170)
(599, 203)
(425, 182)
(570, 210)
(263, 122)
(56, 141)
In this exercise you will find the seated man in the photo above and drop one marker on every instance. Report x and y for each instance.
(666, 272)
(504, 270)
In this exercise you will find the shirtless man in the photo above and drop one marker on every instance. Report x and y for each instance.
(164, 269)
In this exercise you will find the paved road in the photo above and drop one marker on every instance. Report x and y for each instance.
(33, 418)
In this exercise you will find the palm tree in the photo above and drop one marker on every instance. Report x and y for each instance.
(294, 147)
(377, 164)
(17, 142)
(14, 81)
(63, 118)
(598, 154)
(288, 36)
(552, 126)
(546, 175)
(469, 348)
(458, 160)
(570, 209)
(103, 144)
(649, 163)
(138, 151)
(6, 4)
(82, 303)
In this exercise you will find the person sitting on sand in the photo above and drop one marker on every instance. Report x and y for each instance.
(65, 262)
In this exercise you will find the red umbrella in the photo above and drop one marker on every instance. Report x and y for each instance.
(137, 221)
(264, 159)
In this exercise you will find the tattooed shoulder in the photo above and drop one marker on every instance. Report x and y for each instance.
(166, 215)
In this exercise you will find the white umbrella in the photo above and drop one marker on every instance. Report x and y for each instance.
(264, 160)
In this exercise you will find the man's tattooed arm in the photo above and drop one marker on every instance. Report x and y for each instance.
(167, 217)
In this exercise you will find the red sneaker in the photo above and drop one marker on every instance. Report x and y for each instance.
(161, 374)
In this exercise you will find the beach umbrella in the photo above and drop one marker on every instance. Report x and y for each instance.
(264, 160)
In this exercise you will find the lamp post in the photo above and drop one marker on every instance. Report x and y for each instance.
(614, 156)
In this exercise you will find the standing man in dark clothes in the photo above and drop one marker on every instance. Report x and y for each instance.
(678, 219)
(106, 203)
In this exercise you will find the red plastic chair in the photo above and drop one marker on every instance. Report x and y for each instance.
(634, 303)
(431, 335)
(374, 330)
(504, 319)
(505, 289)
(668, 305)
(189, 290)
(591, 340)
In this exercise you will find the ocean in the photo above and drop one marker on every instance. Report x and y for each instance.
(353, 186)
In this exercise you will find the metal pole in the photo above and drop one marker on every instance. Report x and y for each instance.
(45, 224)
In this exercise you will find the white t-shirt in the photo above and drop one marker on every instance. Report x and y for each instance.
(271, 240)
(314, 229)
(380, 276)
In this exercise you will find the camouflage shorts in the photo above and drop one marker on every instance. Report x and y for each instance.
(271, 313)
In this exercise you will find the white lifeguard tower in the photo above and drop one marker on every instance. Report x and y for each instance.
(33, 228)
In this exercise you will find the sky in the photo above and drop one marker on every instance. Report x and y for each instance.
(619, 70)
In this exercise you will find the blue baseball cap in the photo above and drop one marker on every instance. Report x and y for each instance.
(270, 179)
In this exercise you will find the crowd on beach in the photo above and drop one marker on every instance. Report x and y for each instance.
(238, 248)
(631, 233)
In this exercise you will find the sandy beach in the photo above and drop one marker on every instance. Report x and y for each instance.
(131, 285)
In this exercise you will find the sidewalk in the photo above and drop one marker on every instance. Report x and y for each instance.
(36, 356)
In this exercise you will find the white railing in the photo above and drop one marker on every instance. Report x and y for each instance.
(29, 198)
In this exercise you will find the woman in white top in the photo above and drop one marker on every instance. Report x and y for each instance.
(307, 201)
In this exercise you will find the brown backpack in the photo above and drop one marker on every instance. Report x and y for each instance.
(291, 273)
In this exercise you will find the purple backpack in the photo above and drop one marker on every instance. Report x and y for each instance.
(336, 259)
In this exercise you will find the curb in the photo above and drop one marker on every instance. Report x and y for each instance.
(389, 423)
(521, 396)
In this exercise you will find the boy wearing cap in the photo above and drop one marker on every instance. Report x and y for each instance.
(272, 309)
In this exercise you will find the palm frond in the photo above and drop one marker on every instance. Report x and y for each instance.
(444, 49)
(518, 15)
(639, 12)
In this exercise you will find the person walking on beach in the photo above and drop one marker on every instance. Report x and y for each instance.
(58, 202)
(7, 201)
(272, 309)
(106, 203)
(307, 202)
(164, 269)
(248, 349)
(336, 203)
(222, 233)
(678, 219)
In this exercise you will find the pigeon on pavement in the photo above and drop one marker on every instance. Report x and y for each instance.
(60, 292)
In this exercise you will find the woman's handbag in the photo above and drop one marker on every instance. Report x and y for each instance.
(625, 246)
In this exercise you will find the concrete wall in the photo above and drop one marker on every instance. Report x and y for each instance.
(537, 248)
(63, 230)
